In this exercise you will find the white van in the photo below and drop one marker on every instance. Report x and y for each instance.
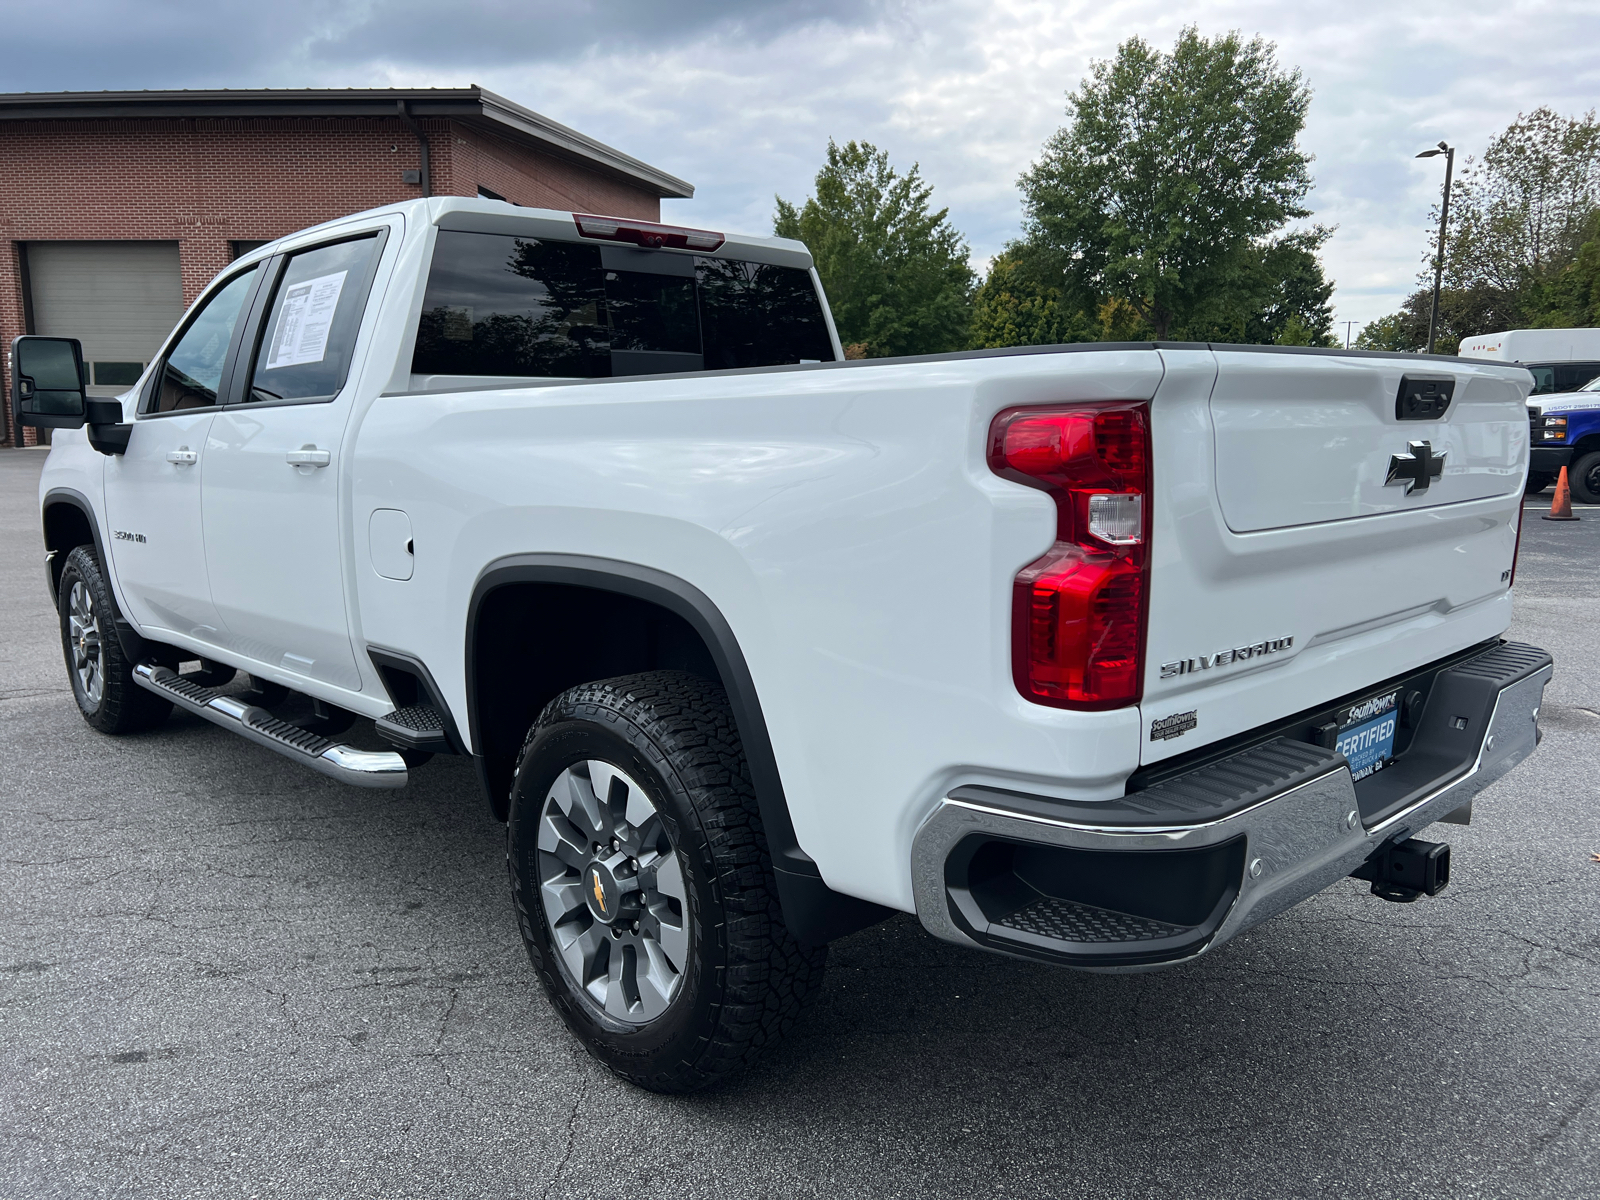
(1562, 360)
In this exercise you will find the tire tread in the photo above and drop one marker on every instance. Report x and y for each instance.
(768, 977)
(125, 707)
(1579, 474)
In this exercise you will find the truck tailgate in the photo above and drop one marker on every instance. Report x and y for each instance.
(1291, 565)
(1301, 440)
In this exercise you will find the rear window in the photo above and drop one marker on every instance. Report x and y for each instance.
(500, 305)
(311, 328)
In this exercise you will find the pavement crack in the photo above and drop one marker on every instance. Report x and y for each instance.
(572, 1130)
(455, 994)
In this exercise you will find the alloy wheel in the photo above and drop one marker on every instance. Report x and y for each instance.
(83, 632)
(613, 891)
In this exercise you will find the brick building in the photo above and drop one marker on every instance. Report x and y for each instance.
(116, 208)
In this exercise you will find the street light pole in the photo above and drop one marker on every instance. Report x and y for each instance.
(1444, 219)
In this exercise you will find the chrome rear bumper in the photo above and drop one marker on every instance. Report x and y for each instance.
(1245, 837)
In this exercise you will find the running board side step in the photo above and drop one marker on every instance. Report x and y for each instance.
(362, 768)
(417, 727)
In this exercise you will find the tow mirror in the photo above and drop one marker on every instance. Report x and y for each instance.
(47, 387)
(49, 390)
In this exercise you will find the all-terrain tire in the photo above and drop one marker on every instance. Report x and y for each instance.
(100, 673)
(1584, 477)
(746, 978)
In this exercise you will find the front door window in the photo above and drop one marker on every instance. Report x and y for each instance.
(192, 373)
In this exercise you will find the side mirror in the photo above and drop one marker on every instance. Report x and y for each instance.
(47, 383)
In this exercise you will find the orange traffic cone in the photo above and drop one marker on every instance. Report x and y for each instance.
(1561, 506)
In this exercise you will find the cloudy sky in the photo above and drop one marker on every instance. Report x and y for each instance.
(741, 98)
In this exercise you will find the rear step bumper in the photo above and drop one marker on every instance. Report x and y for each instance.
(1165, 874)
(363, 768)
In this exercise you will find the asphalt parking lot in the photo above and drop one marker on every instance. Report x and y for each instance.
(222, 975)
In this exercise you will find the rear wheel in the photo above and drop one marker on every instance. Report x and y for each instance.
(643, 884)
(101, 675)
(1584, 476)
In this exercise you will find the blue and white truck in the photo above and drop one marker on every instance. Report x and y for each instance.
(1564, 406)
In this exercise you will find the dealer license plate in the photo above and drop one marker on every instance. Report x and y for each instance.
(1366, 734)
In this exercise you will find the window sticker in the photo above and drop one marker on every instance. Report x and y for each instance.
(304, 321)
(458, 322)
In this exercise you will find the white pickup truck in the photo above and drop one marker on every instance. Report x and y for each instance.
(1093, 654)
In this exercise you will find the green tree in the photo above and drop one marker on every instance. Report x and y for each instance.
(1167, 185)
(1283, 299)
(1291, 303)
(1463, 313)
(1523, 247)
(1016, 306)
(1397, 331)
(896, 273)
(1570, 296)
(1519, 214)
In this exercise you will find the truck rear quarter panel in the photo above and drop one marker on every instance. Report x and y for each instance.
(842, 518)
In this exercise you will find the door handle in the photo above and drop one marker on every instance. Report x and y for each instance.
(308, 456)
(182, 457)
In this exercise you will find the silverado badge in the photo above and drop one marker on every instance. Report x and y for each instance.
(1223, 658)
(599, 892)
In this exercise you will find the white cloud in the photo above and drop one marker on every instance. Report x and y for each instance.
(971, 90)
(741, 99)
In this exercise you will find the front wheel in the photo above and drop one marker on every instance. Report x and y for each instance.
(1584, 476)
(101, 674)
(643, 883)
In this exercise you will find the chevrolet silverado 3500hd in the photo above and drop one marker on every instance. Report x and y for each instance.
(1093, 654)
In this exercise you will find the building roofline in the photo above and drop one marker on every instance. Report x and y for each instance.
(472, 105)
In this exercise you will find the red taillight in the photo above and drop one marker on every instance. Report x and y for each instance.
(1078, 613)
(646, 234)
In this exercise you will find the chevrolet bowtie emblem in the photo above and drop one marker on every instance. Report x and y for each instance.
(599, 892)
(1415, 469)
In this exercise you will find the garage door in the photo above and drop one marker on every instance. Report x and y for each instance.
(120, 299)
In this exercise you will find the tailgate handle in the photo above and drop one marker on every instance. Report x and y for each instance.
(1423, 399)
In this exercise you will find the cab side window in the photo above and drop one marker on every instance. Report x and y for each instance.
(1572, 376)
(305, 347)
(193, 371)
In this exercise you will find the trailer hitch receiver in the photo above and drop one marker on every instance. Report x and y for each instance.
(1403, 871)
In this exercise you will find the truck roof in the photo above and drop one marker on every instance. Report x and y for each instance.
(471, 214)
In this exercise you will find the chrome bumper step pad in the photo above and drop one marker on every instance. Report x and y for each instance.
(362, 768)
(1070, 921)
